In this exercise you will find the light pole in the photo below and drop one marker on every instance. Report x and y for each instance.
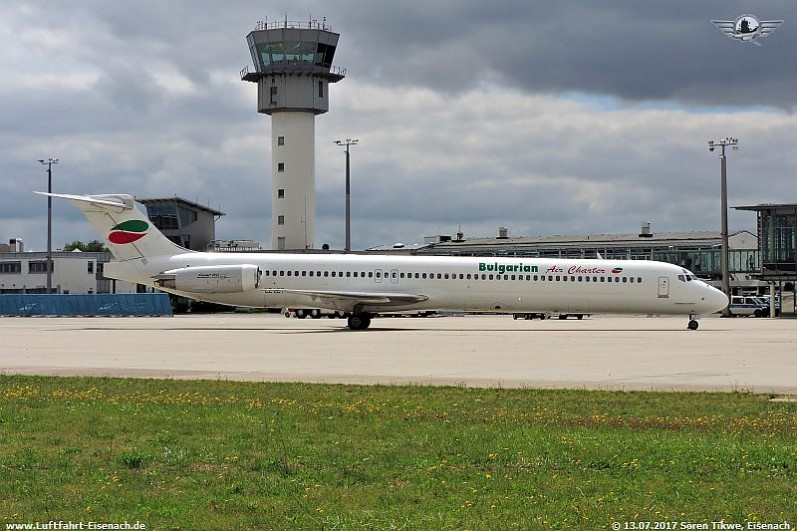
(347, 143)
(734, 144)
(49, 163)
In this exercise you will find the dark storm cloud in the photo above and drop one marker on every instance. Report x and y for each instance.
(635, 51)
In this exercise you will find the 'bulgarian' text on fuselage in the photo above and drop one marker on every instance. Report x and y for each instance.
(507, 268)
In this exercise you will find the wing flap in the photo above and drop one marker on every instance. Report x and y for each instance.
(348, 299)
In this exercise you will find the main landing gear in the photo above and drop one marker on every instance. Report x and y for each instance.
(359, 321)
(692, 322)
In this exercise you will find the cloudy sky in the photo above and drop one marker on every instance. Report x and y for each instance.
(546, 117)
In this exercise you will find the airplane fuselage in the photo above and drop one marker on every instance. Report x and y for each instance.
(363, 285)
(446, 283)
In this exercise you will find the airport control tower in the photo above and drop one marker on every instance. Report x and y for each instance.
(293, 70)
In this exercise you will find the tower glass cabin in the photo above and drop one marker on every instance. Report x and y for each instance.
(293, 70)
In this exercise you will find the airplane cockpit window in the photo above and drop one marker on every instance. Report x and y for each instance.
(687, 276)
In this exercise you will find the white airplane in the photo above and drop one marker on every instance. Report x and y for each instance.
(364, 285)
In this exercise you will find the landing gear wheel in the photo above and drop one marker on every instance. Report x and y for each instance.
(359, 321)
(315, 314)
(301, 314)
(692, 325)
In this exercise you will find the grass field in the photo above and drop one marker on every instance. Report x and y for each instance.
(228, 455)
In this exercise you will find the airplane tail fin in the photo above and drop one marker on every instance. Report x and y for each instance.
(124, 228)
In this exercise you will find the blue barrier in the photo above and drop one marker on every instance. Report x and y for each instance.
(126, 304)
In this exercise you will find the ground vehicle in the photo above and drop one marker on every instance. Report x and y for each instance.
(748, 306)
(765, 299)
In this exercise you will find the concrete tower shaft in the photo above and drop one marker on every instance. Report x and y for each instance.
(293, 70)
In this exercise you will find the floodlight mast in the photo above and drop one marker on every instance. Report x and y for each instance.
(49, 163)
(348, 142)
(722, 144)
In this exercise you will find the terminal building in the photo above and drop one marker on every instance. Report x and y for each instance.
(777, 233)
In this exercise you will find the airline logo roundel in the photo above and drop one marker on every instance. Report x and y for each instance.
(617, 270)
(128, 231)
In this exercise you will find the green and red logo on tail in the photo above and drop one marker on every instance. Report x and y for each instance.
(128, 231)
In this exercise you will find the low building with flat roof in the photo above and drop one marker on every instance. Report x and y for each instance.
(186, 223)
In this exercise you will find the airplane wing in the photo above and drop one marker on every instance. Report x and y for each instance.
(348, 300)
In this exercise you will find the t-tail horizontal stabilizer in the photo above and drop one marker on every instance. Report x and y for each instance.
(123, 226)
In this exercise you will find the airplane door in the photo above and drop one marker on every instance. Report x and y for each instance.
(394, 276)
(664, 287)
(378, 276)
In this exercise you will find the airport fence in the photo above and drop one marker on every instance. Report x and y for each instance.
(124, 304)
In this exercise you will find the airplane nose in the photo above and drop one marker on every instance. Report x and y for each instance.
(715, 300)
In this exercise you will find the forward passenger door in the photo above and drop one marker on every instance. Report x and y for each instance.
(664, 287)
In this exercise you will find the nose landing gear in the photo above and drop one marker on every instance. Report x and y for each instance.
(692, 322)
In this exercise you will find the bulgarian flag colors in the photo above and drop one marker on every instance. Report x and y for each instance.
(128, 231)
